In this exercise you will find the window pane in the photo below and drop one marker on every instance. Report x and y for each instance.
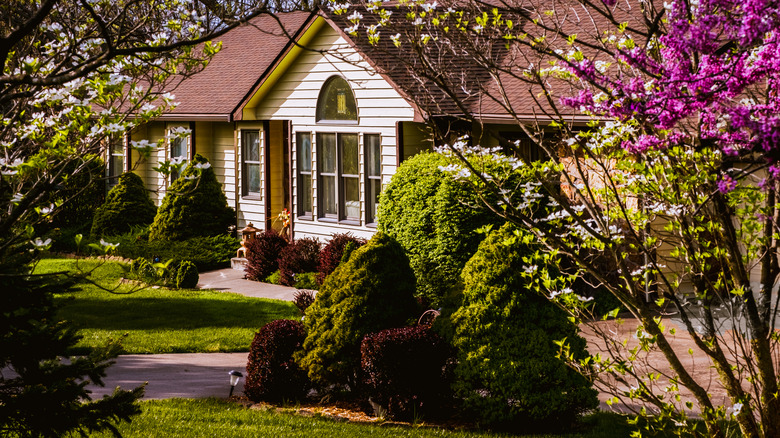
(372, 199)
(349, 154)
(351, 198)
(179, 147)
(304, 194)
(336, 101)
(251, 146)
(252, 178)
(373, 155)
(304, 152)
(327, 195)
(327, 152)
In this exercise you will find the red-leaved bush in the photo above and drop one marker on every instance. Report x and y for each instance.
(263, 254)
(407, 371)
(302, 256)
(331, 255)
(272, 374)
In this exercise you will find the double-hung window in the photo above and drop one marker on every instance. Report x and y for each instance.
(373, 154)
(303, 145)
(338, 167)
(250, 156)
(178, 154)
(116, 158)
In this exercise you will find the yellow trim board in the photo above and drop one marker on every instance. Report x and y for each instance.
(248, 112)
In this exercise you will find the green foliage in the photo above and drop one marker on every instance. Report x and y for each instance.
(505, 333)
(372, 291)
(187, 275)
(307, 280)
(193, 206)
(43, 393)
(274, 278)
(127, 205)
(435, 219)
(83, 191)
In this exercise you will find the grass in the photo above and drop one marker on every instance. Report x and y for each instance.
(217, 418)
(159, 320)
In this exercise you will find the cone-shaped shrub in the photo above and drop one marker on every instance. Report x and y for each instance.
(262, 255)
(271, 372)
(127, 205)
(331, 255)
(301, 256)
(507, 370)
(371, 291)
(194, 205)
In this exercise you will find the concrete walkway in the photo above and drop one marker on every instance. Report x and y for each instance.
(189, 375)
(232, 280)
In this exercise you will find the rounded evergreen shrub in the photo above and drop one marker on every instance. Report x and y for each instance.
(187, 275)
(262, 256)
(405, 370)
(193, 206)
(435, 219)
(301, 256)
(272, 374)
(127, 205)
(507, 368)
(372, 291)
(332, 253)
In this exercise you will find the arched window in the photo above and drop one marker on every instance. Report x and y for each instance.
(336, 101)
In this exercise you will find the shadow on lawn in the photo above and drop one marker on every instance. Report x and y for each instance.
(134, 313)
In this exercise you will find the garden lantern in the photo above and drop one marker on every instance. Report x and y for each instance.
(248, 234)
(235, 376)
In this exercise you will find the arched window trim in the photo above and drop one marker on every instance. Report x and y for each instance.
(350, 98)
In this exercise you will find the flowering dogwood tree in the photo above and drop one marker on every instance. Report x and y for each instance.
(73, 74)
(660, 128)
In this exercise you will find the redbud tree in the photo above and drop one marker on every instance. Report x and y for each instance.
(660, 137)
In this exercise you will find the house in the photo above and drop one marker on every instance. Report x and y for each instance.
(292, 114)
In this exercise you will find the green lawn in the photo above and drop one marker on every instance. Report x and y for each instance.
(161, 320)
(216, 418)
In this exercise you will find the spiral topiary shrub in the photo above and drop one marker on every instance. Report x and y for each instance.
(127, 205)
(435, 219)
(262, 257)
(507, 371)
(193, 206)
(272, 374)
(405, 370)
(332, 253)
(301, 256)
(372, 291)
(187, 275)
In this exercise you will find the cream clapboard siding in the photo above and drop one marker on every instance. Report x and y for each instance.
(294, 98)
(155, 183)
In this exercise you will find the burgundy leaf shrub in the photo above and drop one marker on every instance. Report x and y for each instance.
(302, 256)
(263, 254)
(406, 370)
(330, 257)
(272, 374)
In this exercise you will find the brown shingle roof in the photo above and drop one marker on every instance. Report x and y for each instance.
(247, 53)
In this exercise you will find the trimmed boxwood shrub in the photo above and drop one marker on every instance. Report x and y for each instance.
(332, 253)
(262, 258)
(406, 371)
(193, 206)
(507, 370)
(187, 275)
(272, 374)
(435, 219)
(127, 205)
(301, 256)
(371, 291)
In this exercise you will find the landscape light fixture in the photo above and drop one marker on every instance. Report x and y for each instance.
(235, 376)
